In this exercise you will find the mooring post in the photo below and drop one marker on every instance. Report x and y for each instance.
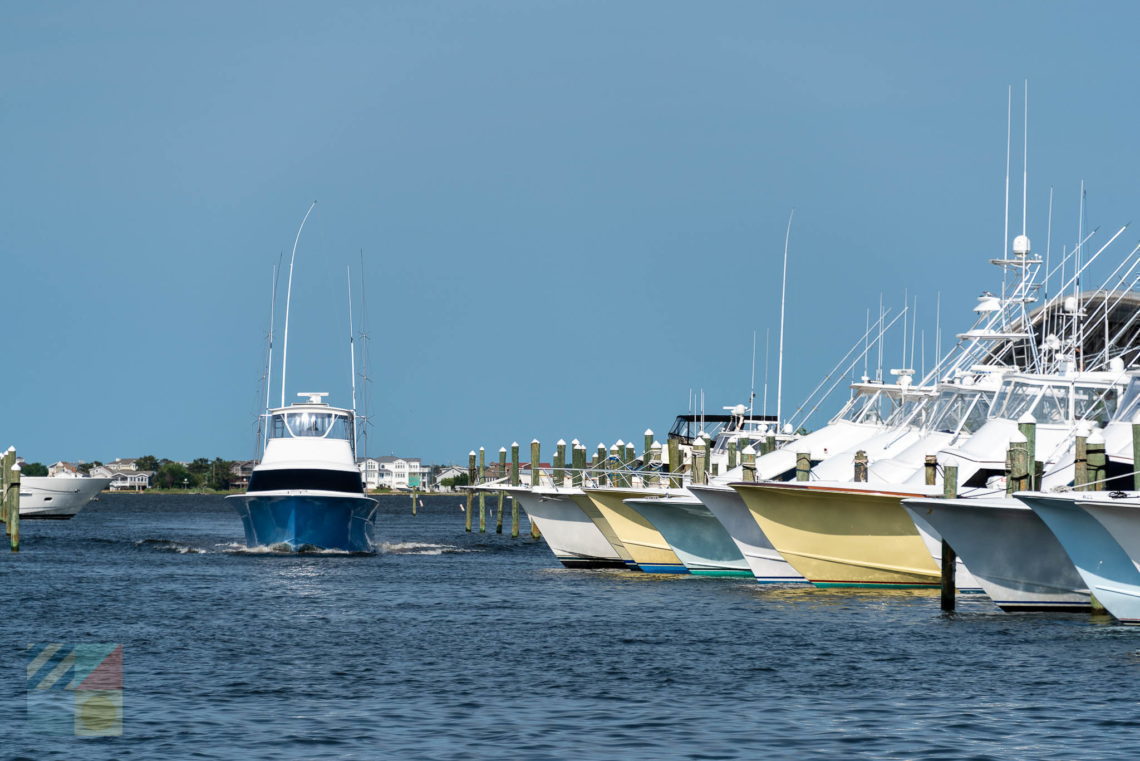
(647, 455)
(654, 457)
(1136, 452)
(708, 457)
(861, 466)
(502, 472)
(413, 500)
(579, 455)
(732, 454)
(535, 457)
(803, 466)
(482, 494)
(1017, 476)
(930, 468)
(470, 490)
(770, 442)
(674, 463)
(949, 557)
(1027, 425)
(600, 464)
(748, 461)
(514, 463)
(698, 476)
(14, 505)
(559, 462)
(1080, 459)
(1097, 460)
(613, 463)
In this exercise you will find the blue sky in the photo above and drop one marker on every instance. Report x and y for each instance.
(571, 213)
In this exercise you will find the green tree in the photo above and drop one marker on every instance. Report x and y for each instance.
(33, 469)
(147, 462)
(174, 475)
(460, 480)
(85, 467)
(220, 474)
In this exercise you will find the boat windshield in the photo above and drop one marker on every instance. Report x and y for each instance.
(1051, 403)
(911, 410)
(1129, 405)
(862, 408)
(1094, 404)
(308, 424)
(959, 410)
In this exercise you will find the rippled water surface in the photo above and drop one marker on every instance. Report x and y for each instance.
(453, 645)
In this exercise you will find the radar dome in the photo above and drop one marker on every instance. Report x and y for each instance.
(1021, 245)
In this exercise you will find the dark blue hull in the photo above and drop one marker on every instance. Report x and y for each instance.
(308, 521)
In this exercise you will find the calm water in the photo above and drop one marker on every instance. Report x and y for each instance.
(452, 645)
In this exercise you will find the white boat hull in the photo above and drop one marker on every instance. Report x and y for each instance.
(1010, 551)
(57, 498)
(572, 536)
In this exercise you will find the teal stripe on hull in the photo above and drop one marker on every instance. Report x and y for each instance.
(722, 572)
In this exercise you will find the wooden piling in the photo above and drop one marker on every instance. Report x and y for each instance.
(699, 455)
(559, 463)
(1097, 461)
(470, 491)
(748, 458)
(10, 497)
(930, 468)
(1027, 425)
(1017, 459)
(1080, 461)
(803, 466)
(949, 557)
(579, 455)
(1136, 453)
(502, 471)
(600, 457)
(770, 442)
(647, 455)
(861, 466)
(514, 463)
(613, 465)
(482, 494)
(535, 458)
(413, 501)
(732, 455)
(674, 463)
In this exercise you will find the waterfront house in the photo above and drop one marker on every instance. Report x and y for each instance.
(125, 475)
(392, 472)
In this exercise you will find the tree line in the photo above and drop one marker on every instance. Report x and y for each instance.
(202, 473)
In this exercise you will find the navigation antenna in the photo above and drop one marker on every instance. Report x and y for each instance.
(351, 355)
(364, 377)
(267, 372)
(752, 390)
(289, 299)
(783, 298)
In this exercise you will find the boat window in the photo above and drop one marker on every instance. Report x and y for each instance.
(1054, 406)
(958, 409)
(1094, 404)
(1017, 400)
(311, 425)
(1131, 401)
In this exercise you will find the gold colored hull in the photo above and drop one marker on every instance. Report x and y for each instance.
(643, 542)
(839, 537)
(586, 505)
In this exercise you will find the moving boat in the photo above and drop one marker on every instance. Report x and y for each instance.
(57, 497)
(307, 492)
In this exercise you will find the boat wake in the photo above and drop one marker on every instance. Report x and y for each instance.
(166, 545)
(235, 548)
(419, 548)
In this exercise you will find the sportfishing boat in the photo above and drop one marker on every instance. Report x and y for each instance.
(1098, 532)
(307, 491)
(57, 497)
(574, 537)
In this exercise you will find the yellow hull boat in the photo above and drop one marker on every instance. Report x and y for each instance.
(644, 543)
(838, 536)
(586, 505)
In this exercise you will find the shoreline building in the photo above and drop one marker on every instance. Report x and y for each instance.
(392, 472)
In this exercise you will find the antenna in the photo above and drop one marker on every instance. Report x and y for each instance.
(289, 299)
(1025, 162)
(364, 339)
(1005, 231)
(351, 355)
(262, 428)
(1079, 333)
(783, 298)
(767, 343)
(752, 391)
(1048, 247)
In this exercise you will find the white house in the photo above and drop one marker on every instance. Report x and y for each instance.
(125, 475)
(63, 469)
(446, 472)
(391, 472)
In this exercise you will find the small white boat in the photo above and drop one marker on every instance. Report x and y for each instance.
(57, 497)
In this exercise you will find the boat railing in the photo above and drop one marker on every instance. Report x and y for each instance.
(613, 474)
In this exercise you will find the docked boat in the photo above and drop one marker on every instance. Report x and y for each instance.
(1091, 527)
(57, 497)
(575, 538)
(307, 492)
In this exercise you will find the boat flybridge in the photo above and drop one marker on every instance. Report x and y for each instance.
(307, 491)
